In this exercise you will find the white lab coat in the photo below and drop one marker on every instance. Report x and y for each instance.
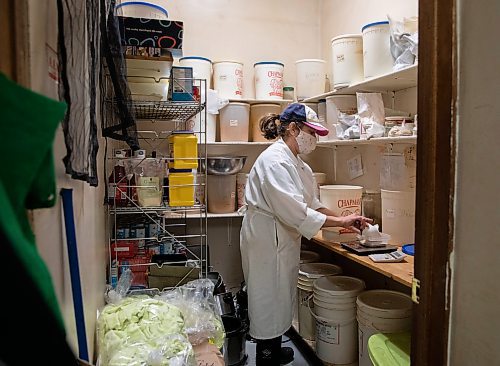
(281, 209)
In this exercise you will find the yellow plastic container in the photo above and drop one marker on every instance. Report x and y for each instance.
(183, 150)
(181, 189)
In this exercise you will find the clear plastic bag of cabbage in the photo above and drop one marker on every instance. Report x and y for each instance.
(139, 330)
(197, 304)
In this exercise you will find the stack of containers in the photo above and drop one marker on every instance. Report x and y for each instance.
(268, 77)
(257, 111)
(183, 147)
(308, 273)
(335, 312)
(381, 311)
(377, 57)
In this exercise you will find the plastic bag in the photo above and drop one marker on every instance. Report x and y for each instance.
(348, 126)
(115, 295)
(372, 114)
(404, 41)
(197, 304)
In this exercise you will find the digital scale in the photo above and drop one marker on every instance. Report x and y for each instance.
(359, 249)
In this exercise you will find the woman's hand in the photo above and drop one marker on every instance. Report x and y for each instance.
(354, 222)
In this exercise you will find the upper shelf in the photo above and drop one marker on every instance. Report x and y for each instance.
(393, 81)
(262, 101)
(162, 110)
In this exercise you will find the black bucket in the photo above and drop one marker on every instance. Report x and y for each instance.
(235, 342)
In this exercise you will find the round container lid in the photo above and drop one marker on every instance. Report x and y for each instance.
(239, 103)
(374, 24)
(316, 270)
(409, 249)
(307, 256)
(158, 7)
(265, 105)
(228, 61)
(288, 88)
(346, 36)
(339, 285)
(340, 186)
(391, 301)
(268, 63)
(195, 58)
(310, 60)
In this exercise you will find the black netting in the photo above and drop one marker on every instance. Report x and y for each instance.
(78, 44)
(118, 119)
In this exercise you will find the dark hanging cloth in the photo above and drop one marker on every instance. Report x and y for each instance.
(78, 46)
(118, 121)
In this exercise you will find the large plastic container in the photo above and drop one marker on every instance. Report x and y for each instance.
(257, 111)
(335, 313)
(310, 77)
(241, 183)
(343, 200)
(347, 59)
(183, 150)
(381, 311)
(377, 57)
(268, 77)
(141, 9)
(336, 104)
(234, 122)
(398, 215)
(202, 69)
(181, 188)
(228, 79)
(221, 192)
(398, 172)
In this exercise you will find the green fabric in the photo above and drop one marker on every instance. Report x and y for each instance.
(390, 349)
(28, 123)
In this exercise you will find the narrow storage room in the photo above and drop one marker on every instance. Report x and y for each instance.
(254, 183)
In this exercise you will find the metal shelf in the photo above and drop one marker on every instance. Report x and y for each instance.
(262, 101)
(158, 210)
(161, 110)
(372, 141)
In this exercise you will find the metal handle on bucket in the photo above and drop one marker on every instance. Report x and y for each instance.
(325, 320)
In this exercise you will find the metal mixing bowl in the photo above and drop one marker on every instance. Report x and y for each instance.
(224, 165)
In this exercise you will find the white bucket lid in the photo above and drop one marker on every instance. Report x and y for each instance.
(264, 105)
(310, 60)
(346, 36)
(384, 303)
(238, 103)
(339, 285)
(228, 62)
(340, 186)
(316, 270)
(342, 96)
(307, 256)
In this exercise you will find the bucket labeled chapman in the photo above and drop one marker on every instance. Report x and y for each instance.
(343, 200)
(228, 79)
(269, 80)
(381, 311)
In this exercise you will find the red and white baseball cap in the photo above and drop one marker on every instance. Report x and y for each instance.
(298, 112)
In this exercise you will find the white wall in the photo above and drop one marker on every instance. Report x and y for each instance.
(474, 332)
(88, 208)
(249, 31)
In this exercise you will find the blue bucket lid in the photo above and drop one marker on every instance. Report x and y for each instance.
(268, 63)
(195, 58)
(162, 9)
(374, 24)
(409, 249)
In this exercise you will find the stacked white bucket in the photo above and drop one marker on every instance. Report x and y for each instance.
(381, 311)
(268, 77)
(202, 69)
(334, 300)
(308, 273)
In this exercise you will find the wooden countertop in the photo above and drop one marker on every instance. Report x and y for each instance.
(401, 272)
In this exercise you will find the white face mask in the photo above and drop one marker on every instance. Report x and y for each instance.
(306, 142)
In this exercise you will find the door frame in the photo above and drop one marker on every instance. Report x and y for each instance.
(436, 143)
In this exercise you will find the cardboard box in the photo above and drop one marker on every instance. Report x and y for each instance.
(170, 276)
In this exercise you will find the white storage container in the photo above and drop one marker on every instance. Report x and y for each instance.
(310, 77)
(257, 111)
(269, 80)
(202, 69)
(343, 200)
(141, 9)
(221, 192)
(398, 215)
(377, 57)
(234, 122)
(347, 60)
(228, 79)
(338, 103)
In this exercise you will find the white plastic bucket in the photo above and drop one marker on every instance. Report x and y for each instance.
(307, 323)
(202, 69)
(234, 122)
(398, 215)
(320, 179)
(381, 311)
(197, 125)
(241, 183)
(221, 191)
(310, 77)
(308, 256)
(398, 172)
(377, 57)
(269, 80)
(228, 79)
(312, 271)
(257, 111)
(347, 60)
(343, 200)
(141, 9)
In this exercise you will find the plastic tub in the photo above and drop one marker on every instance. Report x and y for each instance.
(347, 59)
(320, 179)
(310, 77)
(336, 104)
(398, 215)
(241, 182)
(228, 79)
(181, 189)
(202, 69)
(257, 111)
(221, 192)
(234, 122)
(141, 9)
(307, 324)
(269, 80)
(377, 57)
(343, 200)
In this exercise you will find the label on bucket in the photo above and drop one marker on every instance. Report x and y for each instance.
(326, 332)
(233, 122)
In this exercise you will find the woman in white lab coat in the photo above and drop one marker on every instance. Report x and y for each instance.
(282, 207)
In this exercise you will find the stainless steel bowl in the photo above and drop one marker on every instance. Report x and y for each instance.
(224, 165)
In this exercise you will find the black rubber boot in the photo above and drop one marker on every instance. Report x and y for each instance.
(286, 355)
(268, 352)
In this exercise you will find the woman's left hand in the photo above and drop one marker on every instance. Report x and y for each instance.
(354, 222)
